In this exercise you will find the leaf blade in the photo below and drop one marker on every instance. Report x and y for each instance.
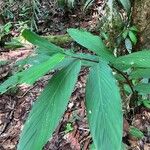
(31, 74)
(43, 44)
(104, 113)
(143, 88)
(91, 42)
(140, 73)
(136, 59)
(133, 37)
(47, 111)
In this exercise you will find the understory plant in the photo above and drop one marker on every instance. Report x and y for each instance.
(102, 97)
(11, 11)
(87, 3)
(71, 3)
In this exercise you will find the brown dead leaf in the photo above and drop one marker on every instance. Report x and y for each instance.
(125, 127)
(74, 143)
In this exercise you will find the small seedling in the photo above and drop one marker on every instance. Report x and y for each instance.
(68, 128)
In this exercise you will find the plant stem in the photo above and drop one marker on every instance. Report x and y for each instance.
(97, 61)
(126, 78)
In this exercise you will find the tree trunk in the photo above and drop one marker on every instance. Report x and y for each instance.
(141, 19)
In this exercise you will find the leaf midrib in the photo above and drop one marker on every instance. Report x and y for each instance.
(51, 99)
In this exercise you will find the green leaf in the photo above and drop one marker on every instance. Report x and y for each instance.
(34, 60)
(146, 103)
(133, 37)
(143, 88)
(121, 66)
(9, 83)
(124, 146)
(40, 58)
(135, 132)
(127, 89)
(49, 108)
(86, 59)
(136, 59)
(126, 4)
(103, 105)
(125, 34)
(91, 42)
(140, 73)
(43, 45)
(134, 28)
(64, 63)
(31, 74)
(68, 128)
(86, 63)
(7, 27)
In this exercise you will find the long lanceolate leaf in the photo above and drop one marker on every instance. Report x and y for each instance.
(43, 45)
(49, 108)
(32, 74)
(136, 59)
(103, 104)
(91, 42)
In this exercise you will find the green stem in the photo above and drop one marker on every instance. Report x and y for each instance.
(95, 59)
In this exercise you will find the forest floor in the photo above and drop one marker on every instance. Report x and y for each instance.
(73, 131)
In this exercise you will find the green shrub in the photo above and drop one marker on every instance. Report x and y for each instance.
(103, 100)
